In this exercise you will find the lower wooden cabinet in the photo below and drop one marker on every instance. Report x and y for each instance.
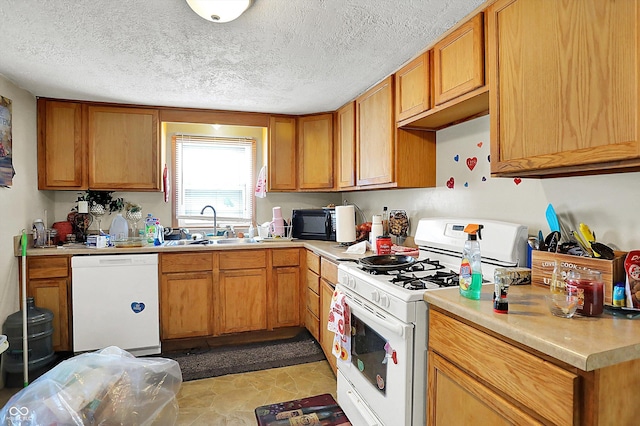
(186, 305)
(49, 283)
(243, 300)
(285, 288)
(326, 337)
(186, 295)
(312, 291)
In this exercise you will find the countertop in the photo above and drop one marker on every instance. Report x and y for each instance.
(588, 343)
(329, 249)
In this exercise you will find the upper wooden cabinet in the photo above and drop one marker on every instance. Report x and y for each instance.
(375, 134)
(413, 86)
(282, 168)
(315, 152)
(346, 146)
(563, 101)
(84, 145)
(449, 89)
(458, 61)
(124, 148)
(387, 157)
(61, 147)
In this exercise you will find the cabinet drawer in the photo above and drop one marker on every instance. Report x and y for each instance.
(285, 257)
(48, 267)
(313, 324)
(506, 368)
(313, 303)
(186, 262)
(313, 282)
(329, 271)
(313, 262)
(243, 259)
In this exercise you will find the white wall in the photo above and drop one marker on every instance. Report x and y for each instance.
(22, 203)
(607, 203)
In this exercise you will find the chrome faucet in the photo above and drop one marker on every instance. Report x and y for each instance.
(215, 219)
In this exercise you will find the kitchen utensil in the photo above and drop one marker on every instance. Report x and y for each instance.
(541, 245)
(585, 247)
(552, 241)
(387, 262)
(552, 218)
(599, 249)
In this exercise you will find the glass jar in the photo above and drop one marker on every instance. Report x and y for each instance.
(587, 284)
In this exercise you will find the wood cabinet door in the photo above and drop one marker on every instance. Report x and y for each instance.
(52, 294)
(458, 61)
(286, 297)
(326, 337)
(563, 101)
(281, 168)
(61, 147)
(315, 152)
(375, 135)
(186, 305)
(454, 398)
(124, 149)
(346, 145)
(413, 88)
(243, 300)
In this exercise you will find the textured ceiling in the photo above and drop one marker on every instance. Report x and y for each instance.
(281, 56)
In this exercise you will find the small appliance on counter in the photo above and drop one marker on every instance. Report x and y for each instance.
(314, 224)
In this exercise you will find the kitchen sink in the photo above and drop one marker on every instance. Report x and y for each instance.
(236, 241)
(185, 243)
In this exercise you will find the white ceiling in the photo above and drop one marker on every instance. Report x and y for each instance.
(281, 56)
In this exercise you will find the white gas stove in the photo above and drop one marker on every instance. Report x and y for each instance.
(387, 370)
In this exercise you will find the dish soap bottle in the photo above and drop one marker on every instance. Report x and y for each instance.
(470, 267)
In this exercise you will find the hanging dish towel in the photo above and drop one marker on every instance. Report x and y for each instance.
(261, 184)
(340, 324)
(166, 185)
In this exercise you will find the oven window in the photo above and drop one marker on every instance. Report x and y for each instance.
(368, 353)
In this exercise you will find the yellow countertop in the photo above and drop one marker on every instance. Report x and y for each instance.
(588, 343)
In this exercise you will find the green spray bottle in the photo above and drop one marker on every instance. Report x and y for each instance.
(470, 267)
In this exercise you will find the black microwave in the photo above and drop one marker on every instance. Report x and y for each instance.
(314, 224)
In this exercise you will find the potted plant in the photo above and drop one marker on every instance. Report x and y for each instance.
(102, 198)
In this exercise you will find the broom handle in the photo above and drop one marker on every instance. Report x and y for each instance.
(25, 337)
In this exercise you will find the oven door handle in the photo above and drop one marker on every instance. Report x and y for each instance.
(389, 323)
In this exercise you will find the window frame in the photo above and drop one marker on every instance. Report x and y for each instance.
(206, 218)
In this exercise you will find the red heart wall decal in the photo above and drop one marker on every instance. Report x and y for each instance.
(479, 144)
(450, 183)
(517, 181)
(471, 162)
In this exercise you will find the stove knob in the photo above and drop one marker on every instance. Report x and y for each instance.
(352, 282)
(384, 301)
(375, 296)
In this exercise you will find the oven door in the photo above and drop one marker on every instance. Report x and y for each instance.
(379, 378)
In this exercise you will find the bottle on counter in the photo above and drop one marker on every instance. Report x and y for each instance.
(470, 267)
(119, 229)
(385, 222)
(150, 228)
(376, 231)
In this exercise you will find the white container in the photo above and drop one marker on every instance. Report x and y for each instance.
(119, 229)
(376, 231)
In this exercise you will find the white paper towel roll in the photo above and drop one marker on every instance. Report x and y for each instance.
(345, 224)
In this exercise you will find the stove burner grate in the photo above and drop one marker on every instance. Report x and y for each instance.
(438, 279)
(419, 266)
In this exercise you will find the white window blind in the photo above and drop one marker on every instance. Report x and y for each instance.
(215, 171)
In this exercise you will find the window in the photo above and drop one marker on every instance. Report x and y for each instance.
(213, 171)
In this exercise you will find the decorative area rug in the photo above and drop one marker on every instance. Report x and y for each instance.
(314, 410)
(214, 362)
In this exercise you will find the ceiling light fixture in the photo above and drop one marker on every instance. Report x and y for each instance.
(219, 10)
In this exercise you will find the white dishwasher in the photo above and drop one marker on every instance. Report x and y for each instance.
(115, 303)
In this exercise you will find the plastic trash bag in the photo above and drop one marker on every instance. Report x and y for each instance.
(106, 387)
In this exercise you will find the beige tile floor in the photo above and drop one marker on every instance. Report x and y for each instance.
(231, 400)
